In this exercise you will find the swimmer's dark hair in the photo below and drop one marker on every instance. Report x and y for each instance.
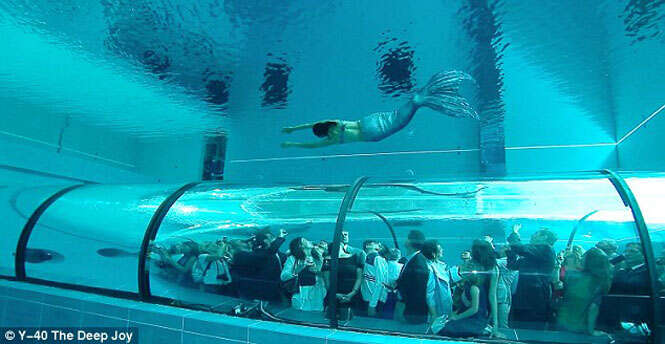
(321, 129)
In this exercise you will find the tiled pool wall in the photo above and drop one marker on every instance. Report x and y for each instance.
(30, 305)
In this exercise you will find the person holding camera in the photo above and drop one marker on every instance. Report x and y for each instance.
(532, 303)
(302, 276)
(211, 269)
(260, 268)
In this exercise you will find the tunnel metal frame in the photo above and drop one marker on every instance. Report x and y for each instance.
(143, 293)
(22, 244)
(629, 200)
(150, 235)
(347, 203)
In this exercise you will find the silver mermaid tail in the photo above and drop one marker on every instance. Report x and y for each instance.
(441, 94)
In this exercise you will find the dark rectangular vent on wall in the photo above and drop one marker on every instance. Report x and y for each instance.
(213, 158)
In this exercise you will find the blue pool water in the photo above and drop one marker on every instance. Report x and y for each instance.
(548, 75)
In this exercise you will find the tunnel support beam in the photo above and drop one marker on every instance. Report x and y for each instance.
(630, 201)
(22, 245)
(151, 233)
(347, 203)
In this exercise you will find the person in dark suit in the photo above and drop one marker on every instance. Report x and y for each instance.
(532, 302)
(415, 283)
(260, 268)
(631, 278)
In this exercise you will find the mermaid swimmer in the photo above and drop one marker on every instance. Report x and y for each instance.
(440, 94)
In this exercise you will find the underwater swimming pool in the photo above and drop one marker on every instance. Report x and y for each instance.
(154, 150)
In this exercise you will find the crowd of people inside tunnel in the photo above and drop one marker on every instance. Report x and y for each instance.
(494, 286)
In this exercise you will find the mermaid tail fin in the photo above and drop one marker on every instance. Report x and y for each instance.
(442, 94)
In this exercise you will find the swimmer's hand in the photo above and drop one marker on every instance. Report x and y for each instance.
(288, 144)
(288, 130)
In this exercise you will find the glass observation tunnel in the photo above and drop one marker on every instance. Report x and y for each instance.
(307, 254)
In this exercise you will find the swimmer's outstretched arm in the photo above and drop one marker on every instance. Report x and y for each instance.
(297, 127)
(317, 144)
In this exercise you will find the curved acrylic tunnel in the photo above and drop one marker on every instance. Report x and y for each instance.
(93, 236)
(96, 230)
